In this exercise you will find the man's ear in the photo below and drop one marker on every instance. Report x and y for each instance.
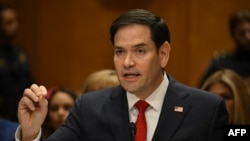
(164, 53)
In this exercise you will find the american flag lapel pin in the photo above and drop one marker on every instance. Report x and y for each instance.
(178, 109)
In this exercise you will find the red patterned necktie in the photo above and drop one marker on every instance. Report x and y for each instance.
(141, 125)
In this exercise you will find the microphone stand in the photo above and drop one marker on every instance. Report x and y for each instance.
(132, 129)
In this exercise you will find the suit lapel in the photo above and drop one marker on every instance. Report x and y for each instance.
(116, 112)
(171, 117)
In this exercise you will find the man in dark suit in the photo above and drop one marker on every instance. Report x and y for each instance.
(174, 112)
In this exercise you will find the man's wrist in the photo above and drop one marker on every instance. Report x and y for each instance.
(19, 135)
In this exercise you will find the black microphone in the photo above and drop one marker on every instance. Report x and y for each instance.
(132, 129)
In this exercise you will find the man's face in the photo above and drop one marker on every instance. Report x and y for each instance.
(9, 23)
(242, 35)
(138, 66)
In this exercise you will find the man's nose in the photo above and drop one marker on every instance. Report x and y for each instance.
(129, 61)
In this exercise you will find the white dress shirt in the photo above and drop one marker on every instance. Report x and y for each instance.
(152, 113)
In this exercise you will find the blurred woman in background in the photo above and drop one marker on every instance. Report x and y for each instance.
(60, 101)
(232, 88)
(105, 78)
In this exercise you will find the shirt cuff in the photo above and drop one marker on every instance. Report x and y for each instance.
(18, 135)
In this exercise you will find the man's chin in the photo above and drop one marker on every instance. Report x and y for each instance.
(130, 89)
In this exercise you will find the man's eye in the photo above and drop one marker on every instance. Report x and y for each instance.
(140, 51)
(118, 52)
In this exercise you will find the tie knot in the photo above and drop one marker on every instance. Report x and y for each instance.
(141, 105)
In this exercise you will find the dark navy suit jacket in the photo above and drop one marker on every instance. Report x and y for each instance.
(103, 116)
(7, 130)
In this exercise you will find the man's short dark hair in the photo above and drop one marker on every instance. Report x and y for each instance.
(159, 29)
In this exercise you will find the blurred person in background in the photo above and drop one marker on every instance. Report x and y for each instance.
(15, 73)
(60, 101)
(101, 79)
(229, 85)
(239, 59)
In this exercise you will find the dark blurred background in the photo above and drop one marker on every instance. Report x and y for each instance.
(68, 39)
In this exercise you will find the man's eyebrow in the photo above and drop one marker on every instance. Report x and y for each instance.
(117, 47)
(140, 45)
(135, 46)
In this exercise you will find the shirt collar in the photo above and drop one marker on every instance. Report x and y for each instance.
(155, 99)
